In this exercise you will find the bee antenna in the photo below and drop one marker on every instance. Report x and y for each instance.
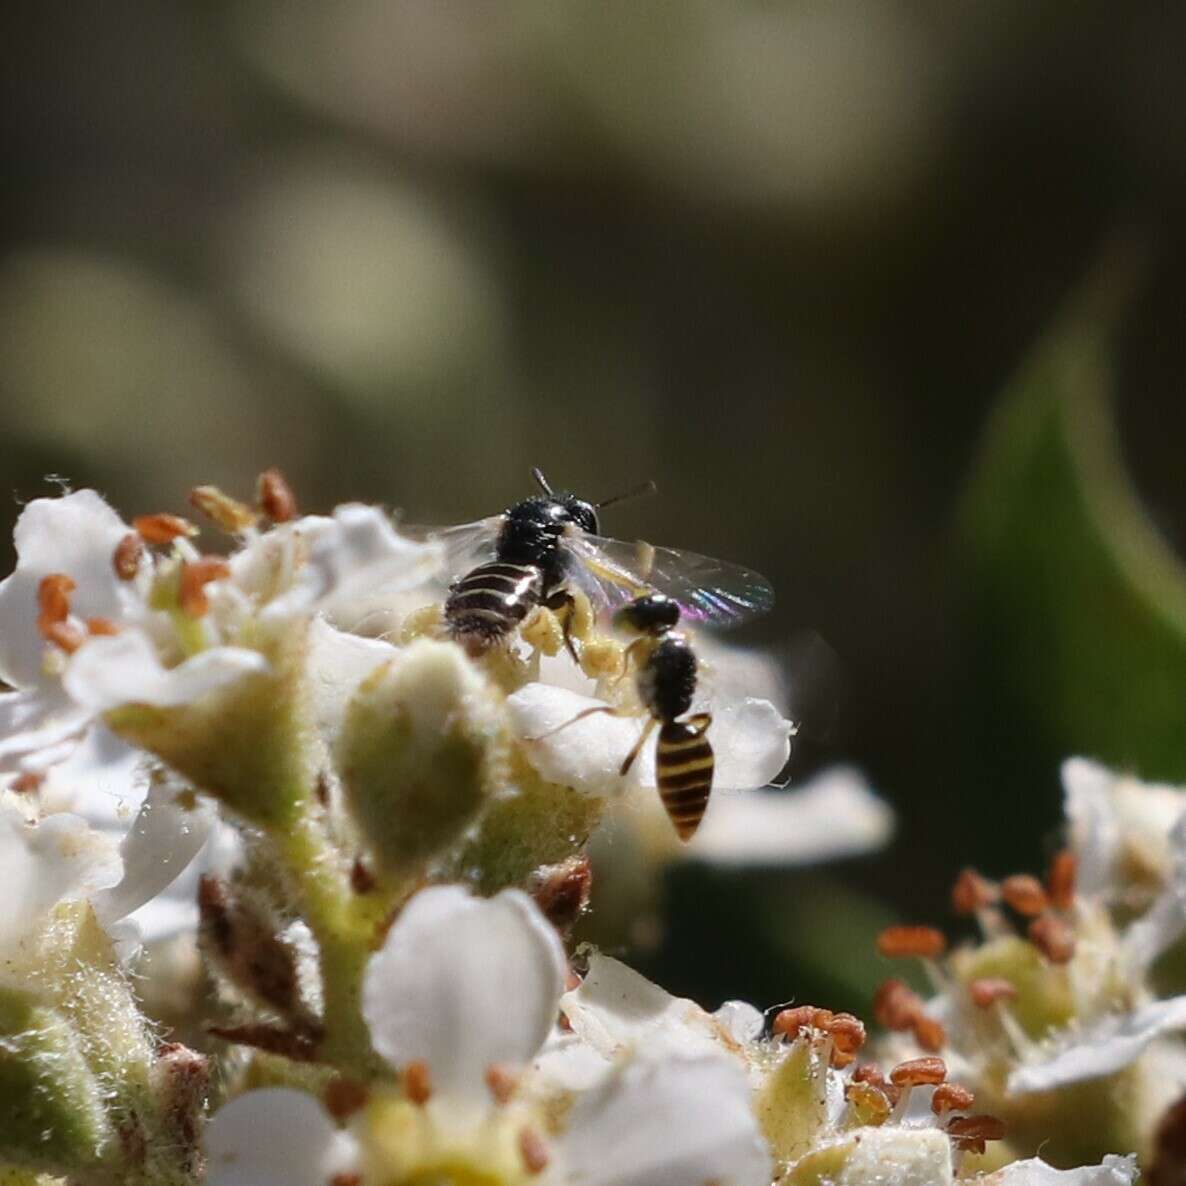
(647, 487)
(538, 475)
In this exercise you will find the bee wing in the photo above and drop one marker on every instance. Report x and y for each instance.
(466, 545)
(710, 592)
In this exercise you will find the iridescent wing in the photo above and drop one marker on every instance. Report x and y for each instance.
(710, 592)
(466, 546)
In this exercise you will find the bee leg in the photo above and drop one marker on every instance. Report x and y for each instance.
(588, 712)
(563, 604)
(629, 761)
(631, 655)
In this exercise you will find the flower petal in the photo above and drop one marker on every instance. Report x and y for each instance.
(355, 553)
(834, 815)
(161, 843)
(110, 672)
(338, 662)
(275, 1137)
(36, 720)
(45, 863)
(1160, 927)
(1115, 1171)
(666, 1122)
(751, 740)
(77, 535)
(903, 1156)
(463, 983)
(1101, 1048)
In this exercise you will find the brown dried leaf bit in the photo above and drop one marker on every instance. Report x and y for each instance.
(1053, 937)
(417, 1082)
(972, 892)
(229, 513)
(195, 576)
(275, 496)
(162, 528)
(180, 1078)
(1025, 894)
(919, 1072)
(125, 560)
(343, 1097)
(298, 1043)
(951, 1097)
(1060, 881)
(562, 891)
(903, 941)
(991, 989)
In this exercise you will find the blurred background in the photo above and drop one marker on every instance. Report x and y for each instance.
(888, 299)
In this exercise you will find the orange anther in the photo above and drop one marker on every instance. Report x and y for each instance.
(275, 496)
(344, 1097)
(1060, 881)
(1053, 938)
(126, 557)
(971, 892)
(789, 1022)
(501, 1082)
(346, 1178)
(918, 1072)
(976, 1128)
(103, 627)
(869, 1101)
(195, 576)
(929, 1033)
(417, 1082)
(989, 989)
(924, 942)
(895, 1005)
(162, 528)
(53, 599)
(27, 782)
(1025, 894)
(65, 635)
(533, 1151)
(951, 1097)
(229, 513)
(847, 1032)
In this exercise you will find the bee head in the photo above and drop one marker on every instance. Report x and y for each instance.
(651, 614)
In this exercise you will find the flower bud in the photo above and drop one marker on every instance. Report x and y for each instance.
(420, 747)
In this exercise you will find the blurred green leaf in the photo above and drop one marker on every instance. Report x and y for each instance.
(1079, 603)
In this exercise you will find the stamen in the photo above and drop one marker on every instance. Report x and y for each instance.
(417, 1082)
(972, 892)
(195, 576)
(1060, 881)
(896, 1005)
(101, 627)
(346, 1178)
(919, 1072)
(53, 600)
(502, 1082)
(1025, 894)
(976, 1128)
(343, 1097)
(848, 1036)
(162, 528)
(65, 635)
(533, 1151)
(903, 941)
(27, 782)
(275, 496)
(790, 1022)
(229, 513)
(929, 1033)
(126, 557)
(991, 989)
(869, 1102)
(951, 1097)
(1053, 938)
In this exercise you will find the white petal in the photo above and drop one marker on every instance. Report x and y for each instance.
(1115, 1171)
(101, 778)
(666, 1123)
(77, 535)
(124, 669)
(834, 815)
(161, 843)
(751, 741)
(462, 983)
(36, 720)
(1095, 830)
(1160, 927)
(566, 1064)
(274, 1137)
(617, 1011)
(586, 755)
(358, 553)
(903, 1156)
(48, 862)
(741, 1021)
(338, 662)
(1101, 1048)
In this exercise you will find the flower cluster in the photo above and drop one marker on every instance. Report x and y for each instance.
(257, 743)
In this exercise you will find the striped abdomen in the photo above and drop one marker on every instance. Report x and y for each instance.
(489, 602)
(683, 769)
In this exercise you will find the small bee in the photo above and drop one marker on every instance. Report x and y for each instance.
(542, 549)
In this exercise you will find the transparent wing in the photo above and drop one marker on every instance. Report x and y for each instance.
(466, 546)
(710, 592)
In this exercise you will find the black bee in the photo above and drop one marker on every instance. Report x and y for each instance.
(540, 550)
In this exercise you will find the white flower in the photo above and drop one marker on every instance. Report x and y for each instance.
(1114, 1171)
(465, 989)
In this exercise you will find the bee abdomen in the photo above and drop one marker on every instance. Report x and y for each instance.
(489, 602)
(683, 767)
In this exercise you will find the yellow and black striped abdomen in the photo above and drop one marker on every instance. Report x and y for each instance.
(683, 770)
(489, 602)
